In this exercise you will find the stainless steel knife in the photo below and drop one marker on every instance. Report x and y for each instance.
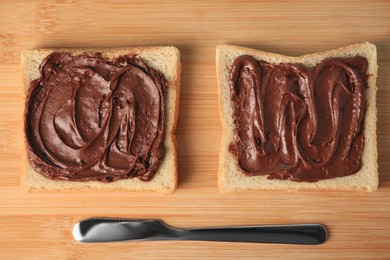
(96, 230)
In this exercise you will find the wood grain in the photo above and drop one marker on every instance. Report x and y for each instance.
(38, 226)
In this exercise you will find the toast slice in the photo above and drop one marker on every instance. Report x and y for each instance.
(163, 59)
(232, 179)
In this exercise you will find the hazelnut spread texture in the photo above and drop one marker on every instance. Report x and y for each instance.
(92, 118)
(296, 122)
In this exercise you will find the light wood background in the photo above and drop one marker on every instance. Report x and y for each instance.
(39, 225)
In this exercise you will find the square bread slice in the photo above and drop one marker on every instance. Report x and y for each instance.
(164, 59)
(230, 176)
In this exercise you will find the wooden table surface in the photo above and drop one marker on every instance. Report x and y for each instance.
(39, 225)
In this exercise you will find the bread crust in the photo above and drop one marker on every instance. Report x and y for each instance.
(230, 176)
(165, 59)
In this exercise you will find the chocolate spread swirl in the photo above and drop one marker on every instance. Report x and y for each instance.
(299, 123)
(92, 118)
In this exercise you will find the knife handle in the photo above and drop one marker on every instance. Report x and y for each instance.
(308, 234)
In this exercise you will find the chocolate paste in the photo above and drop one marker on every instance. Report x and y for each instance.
(299, 123)
(92, 118)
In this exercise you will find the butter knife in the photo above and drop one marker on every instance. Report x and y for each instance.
(97, 230)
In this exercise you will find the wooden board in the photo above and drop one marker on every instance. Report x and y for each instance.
(39, 225)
